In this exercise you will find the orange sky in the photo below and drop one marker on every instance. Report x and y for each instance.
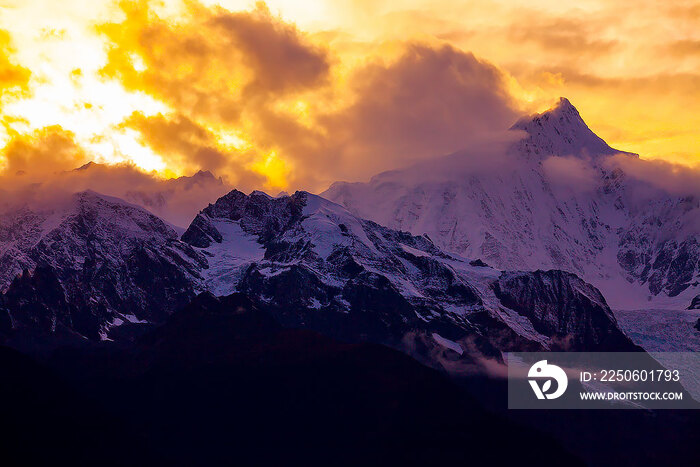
(296, 94)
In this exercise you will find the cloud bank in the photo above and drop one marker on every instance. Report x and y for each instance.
(286, 96)
(263, 104)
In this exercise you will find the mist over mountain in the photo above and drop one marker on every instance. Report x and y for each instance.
(176, 200)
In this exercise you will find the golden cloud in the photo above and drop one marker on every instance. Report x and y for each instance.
(306, 95)
(12, 76)
(183, 143)
(300, 122)
(44, 152)
(178, 139)
(211, 62)
(564, 35)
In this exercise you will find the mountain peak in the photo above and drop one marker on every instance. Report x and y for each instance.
(87, 166)
(564, 105)
(562, 112)
(561, 131)
(202, 175)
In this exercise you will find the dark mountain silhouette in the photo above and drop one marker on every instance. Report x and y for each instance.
(222, 383)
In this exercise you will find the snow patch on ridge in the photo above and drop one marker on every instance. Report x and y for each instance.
(228, 259)
(448, 344)
(329, 226)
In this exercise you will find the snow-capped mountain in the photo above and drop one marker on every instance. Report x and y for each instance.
(90, 262)
(556, 198)
(316, 265)
(95, 264)
(561, 132)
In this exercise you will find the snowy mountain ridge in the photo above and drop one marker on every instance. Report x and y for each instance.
(102, 266)
(321, 267)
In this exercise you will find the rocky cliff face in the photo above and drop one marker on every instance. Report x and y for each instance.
(563, 306)
(695, 304)
(662, 248)
(94, 263)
